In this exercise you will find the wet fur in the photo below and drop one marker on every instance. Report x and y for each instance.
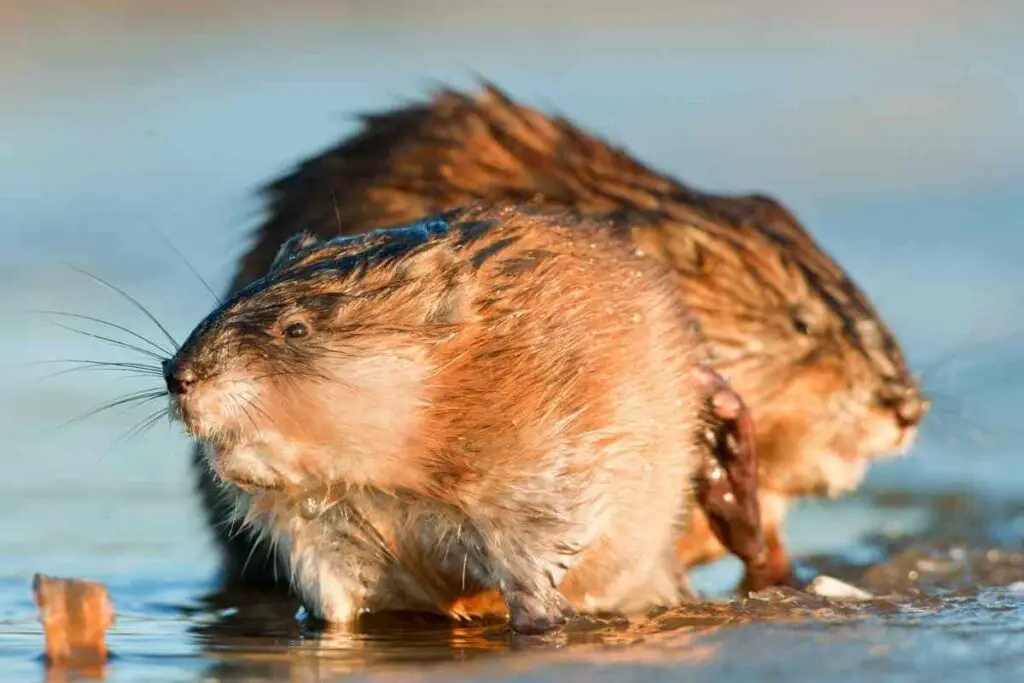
(801, 343)
(507, 406)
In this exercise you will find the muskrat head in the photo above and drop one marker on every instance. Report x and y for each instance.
(315, 374)
(826, 382)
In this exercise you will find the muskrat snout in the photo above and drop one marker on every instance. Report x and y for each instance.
(908, 403)
(912, 410)
(179, 379)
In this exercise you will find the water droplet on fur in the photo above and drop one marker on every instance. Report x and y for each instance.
(311, 508)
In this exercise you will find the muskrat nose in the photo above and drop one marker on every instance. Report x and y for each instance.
(908, 404)
(912, 409)
(179, 380)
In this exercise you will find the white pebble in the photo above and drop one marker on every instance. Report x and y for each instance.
(828, 587)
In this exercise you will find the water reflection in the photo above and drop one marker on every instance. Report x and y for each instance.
(243, 645)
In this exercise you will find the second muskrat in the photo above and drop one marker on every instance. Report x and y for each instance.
(494, 399)
(823, 375)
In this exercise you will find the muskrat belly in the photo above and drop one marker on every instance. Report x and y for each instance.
(366, 558)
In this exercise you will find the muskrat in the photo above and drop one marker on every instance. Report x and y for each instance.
(824, 377)
(493, 399)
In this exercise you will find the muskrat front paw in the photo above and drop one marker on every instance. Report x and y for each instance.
(727, 481)
(775, 571)
(534, 615)
(756, 579)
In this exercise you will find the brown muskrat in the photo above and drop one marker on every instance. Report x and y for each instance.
(493, 400)
(825, 379)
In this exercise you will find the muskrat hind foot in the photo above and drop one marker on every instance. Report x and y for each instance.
(727, 482)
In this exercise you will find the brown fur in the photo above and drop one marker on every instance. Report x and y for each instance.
(513, 406)
(824, 377)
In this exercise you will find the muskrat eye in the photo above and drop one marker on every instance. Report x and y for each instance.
(802, 321)
(296, 330)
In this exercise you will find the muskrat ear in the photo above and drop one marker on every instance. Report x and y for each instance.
(292, 248)
(452, 302)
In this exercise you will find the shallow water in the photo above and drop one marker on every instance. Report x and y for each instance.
(894, 132)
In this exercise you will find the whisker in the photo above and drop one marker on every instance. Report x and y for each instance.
(956, 437)
(983, 372)
(101, 321)
(962, 363)
(235, 527)
(188, 264)
(140, 397)
(973, 342)
(257, 405)
(256, 540)
(241, 408)
(249, 404)
(233, 524)
(272, 557)
(135, 366)
(131, 299)
(110, 340)
(955, 423)
(129, 369)
(144, 425)
(292, 373)
(126, 373)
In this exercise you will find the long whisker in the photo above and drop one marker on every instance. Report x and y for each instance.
(292, 374)
(956, 422)
(144, 425)
(102, 365)
(131, 299)
(235, 527)
(115, 326)
(126, 373)
(255, 543)
(188, 264)
(138, 397)
(1000, 360)
(973, 341)
(272, 557)
(110, 340)
(951, 360)
(957, 432)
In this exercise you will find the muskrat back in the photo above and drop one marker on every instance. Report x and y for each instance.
(495, 399)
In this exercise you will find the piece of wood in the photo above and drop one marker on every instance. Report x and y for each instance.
(75, 615)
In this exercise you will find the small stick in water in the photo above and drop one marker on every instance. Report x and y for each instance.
(75, 615)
